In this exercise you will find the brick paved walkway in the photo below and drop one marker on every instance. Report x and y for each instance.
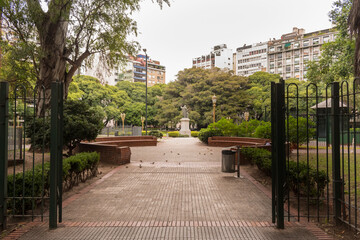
(172, 191)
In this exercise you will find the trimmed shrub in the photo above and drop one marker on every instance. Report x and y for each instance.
(183, 135)
(174, 134)
(75, 168)
(205, 133)
(299, 177)
(156, 133)
(194, 133)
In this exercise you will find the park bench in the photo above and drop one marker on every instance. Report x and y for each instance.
(219, 141)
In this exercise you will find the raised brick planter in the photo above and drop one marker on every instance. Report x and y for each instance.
(116, 150)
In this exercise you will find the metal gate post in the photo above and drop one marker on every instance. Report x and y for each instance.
(60, 147)
(335, 138)
(4, 119)
(273, 152)
(54, 143)
(280, 151)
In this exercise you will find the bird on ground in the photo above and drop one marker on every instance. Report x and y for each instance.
(140, 165)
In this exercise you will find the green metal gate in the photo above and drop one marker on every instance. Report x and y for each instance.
(30, 178)
(319, 180)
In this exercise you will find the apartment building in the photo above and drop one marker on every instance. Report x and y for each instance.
(251, 59)
(134, 70)
(289, 55)
(220, 57)
(155, 73)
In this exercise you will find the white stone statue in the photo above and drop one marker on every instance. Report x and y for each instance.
(185, 111)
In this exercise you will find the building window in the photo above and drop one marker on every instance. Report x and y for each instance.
(296, 44)
(306, 43)
(288, 61)
(316, 50)
(271, 49)
(287, 45)
(288, 68)
(279, 48)
(279, 56)
(296, 60)
(326, 39)
(306, 51)
(316, 41)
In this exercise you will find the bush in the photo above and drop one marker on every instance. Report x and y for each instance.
(194, 133)
(81, 122)
(299, 175)
(156, 133)
(227, 127)
(174, 134)
(75, 168)
(263, 130)
(302, 129)
(205, 133)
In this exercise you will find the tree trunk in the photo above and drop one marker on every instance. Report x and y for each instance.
(52, 63)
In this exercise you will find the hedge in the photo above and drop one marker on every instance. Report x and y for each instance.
(76, 168)
(194, 133)
(205, 133)
(174, 134)
(156, 133)
(299, 175)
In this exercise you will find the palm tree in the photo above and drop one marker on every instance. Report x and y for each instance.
(354, 27)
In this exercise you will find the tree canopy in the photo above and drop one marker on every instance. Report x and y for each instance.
(58, 36)
(336, 62)
(194, 88)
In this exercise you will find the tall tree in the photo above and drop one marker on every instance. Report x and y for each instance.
(63, 34)
(354, 25)
(336, 62)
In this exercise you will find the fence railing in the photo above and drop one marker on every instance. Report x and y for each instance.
(24, 183)
(318, 176)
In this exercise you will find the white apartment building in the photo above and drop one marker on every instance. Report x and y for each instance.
(220, 57)
(134, 70)
(251, 59)
(289, 55)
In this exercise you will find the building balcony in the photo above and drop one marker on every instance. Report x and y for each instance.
(140, 79)
(141, 67)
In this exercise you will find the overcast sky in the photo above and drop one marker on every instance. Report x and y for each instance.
(190, 28)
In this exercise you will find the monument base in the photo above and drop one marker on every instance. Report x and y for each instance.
(185, 129)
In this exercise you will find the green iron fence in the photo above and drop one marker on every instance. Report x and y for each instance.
(319, 180)
(30, 178)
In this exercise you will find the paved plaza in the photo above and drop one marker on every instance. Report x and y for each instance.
(173, 191)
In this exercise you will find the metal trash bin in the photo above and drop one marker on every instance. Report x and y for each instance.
(228, 161)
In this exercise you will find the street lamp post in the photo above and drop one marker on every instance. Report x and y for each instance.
(142, 123)
(122, 115)
(146, 83)
(214, 105)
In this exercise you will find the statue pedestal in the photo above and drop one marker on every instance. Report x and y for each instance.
(185, 130)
